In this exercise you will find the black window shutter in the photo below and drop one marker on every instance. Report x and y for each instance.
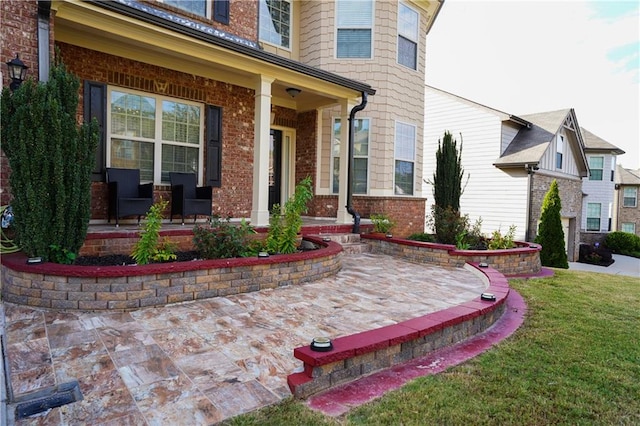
(95, 105)
(221, 11)
(214, 146)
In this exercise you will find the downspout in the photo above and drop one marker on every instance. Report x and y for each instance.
(350, 209)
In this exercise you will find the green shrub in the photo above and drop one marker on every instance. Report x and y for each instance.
(51, 158)
(448, 224)
(501, 242)
(223, 240)
(422, 236)
(619, 241)
(285, 223)
(551, 234)
(148, 248)
(382, 223)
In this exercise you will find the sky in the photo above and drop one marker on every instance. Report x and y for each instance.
(524, 57)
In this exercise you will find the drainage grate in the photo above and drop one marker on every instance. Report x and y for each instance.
(46, 399)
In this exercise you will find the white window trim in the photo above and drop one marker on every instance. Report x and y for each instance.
(628, 223)
(602, 176)
(368, 156)
(414, 160)
(278, 46)
(157, 148)
(417, 42)
(636, 198)
(560, 148)
(372, 28)
(208, 7)
(593, 217)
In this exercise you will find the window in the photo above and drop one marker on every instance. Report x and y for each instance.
(203, 8)
(559, 151)
(630, 197)
(405, 153)
(155, 134)
(354, 21)
(593, 216)
(408, 36)
(360, 155)
(596, 165)
(197, 7)
(629, 227)
(275, 22)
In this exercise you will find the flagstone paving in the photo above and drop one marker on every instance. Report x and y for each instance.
(202, 362)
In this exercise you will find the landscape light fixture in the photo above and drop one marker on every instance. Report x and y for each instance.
(17, 72)
(293, 92)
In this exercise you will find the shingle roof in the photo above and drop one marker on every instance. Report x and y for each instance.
(528, 146)
(627, 176)
(596, 143)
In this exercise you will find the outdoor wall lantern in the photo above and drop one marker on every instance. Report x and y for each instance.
(17, 72)
(293, 92)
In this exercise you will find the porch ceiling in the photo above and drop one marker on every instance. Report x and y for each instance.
(90, 26)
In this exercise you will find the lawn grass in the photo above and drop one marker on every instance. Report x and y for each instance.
(575, 360)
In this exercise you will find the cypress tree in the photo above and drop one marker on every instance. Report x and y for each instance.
(550, 232)
(447, 189)
(447, 179)
(51, 158)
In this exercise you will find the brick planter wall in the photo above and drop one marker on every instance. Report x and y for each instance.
(523, 260)
(69, 287)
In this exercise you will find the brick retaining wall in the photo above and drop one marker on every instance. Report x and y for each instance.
(364, 353)
(70, 287)
(523, 260)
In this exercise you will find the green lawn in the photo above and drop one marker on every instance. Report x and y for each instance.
(575, 360)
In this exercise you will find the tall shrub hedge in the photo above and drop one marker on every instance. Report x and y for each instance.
(550, 232)
(51, 158)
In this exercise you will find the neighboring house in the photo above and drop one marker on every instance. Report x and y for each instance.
(252, 96)
(510, 162)
(598, 188)
(625, 202)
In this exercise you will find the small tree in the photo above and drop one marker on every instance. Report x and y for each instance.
(550, 232)
(51, 158)
(447, 189)
(285, 223)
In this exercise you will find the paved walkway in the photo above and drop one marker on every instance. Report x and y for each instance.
(206, 361)
(623, 265)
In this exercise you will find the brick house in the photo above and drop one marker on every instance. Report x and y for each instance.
(250, 95)
(625, 202)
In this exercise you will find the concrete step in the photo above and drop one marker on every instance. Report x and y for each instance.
(350, 243)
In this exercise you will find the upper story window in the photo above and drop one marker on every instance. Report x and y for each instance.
(613, 167)
(408, 28)
(630, 197)
(354, 27)
(220, 12)
(154, 134)
(360, 155)
(593, 216)
(559, 151)
(275, 22)
(405, 157)
(596, 165)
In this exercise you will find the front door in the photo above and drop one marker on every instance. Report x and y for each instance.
(275, 167)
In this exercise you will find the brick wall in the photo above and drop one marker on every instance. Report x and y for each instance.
(570, 191)
(627, 214)
(19, 34)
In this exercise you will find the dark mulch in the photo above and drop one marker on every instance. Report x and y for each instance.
(123, 259)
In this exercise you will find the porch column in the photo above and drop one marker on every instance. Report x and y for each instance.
(343, 216)
(261, 146)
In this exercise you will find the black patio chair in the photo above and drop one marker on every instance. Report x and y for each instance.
(127, 197)
(187, 198)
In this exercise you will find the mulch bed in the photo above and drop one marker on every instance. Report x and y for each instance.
(124, 259)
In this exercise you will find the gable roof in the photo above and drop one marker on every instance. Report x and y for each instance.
(596, 143)
(530, 144)
(501, 114)
(627, 176)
